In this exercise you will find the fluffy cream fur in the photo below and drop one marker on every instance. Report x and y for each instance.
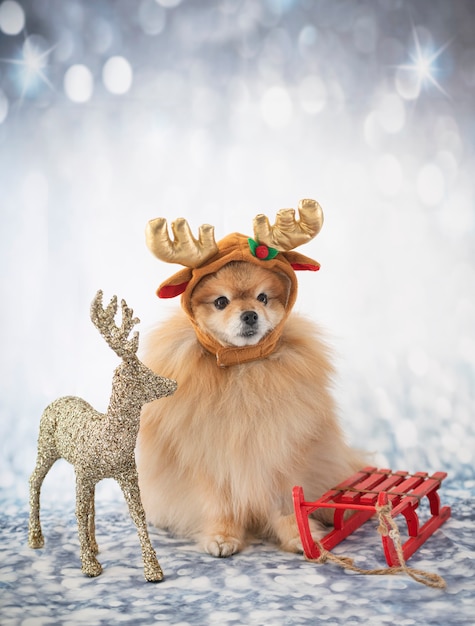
(217, 461)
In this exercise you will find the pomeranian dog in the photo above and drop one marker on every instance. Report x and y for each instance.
(217, 461)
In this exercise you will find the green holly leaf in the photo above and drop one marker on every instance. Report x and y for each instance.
(252, 245)
(272, 253)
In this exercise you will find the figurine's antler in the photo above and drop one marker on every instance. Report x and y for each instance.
(288, 233)
(184, 249)
(116, 337)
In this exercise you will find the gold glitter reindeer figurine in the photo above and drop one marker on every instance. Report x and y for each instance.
(101, 445)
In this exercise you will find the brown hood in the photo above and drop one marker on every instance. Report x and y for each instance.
(237, 247)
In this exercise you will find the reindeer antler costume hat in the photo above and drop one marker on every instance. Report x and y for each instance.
(272, 247)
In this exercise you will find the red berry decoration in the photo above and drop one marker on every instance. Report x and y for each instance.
(262, 252)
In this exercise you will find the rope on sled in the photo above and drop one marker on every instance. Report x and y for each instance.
(387, 526)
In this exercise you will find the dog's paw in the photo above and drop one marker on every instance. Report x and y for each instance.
(290, 540)
(293, 545)
(221, 545)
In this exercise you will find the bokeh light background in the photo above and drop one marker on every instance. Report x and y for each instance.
(115, 112)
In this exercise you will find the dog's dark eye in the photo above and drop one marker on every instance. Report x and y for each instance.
(262, 297)
(221, 302)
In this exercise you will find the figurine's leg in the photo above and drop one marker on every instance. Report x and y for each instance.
(130, 488)
(84, 496)
(43, 465)
(91, 524)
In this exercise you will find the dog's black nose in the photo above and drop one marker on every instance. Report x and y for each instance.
(249, 317)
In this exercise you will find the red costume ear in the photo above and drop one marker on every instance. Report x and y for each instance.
(170, 291)
(305, 266)
(175, 285)
(300, 262)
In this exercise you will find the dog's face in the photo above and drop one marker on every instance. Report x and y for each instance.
(240, 303)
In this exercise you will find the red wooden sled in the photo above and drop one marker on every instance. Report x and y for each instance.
(362, 492)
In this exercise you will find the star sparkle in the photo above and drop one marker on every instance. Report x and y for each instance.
(32, 67)
(423, 63)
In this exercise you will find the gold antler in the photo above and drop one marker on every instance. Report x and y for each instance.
(116, 337)
(184, 249)
(288, 233)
